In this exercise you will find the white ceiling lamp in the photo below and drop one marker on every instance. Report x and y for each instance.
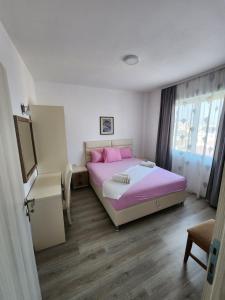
(131, 59)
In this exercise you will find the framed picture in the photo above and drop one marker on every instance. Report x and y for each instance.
(106, 125)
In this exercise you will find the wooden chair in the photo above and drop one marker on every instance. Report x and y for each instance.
(67, 192)
(201, 235)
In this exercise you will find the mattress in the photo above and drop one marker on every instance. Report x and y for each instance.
(154, 185)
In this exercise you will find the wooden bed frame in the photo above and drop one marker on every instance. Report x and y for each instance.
(137, 211)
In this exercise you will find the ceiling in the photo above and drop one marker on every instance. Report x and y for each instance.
(83, 41)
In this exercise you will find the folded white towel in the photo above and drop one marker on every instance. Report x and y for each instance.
(122, 178)
(148, 163)
(114, 190)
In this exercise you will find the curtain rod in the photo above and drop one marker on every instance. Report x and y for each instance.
(194, 76)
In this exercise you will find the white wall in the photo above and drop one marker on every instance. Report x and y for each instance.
(83, 107)
(20, 81)
(136, 114)
(21, 84)
(150, 123)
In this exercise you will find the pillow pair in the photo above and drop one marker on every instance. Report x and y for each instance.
(109, 154)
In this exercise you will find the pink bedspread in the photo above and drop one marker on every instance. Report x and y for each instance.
(156, 184)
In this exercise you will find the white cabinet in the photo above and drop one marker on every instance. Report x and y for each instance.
(47, 219)
(49, 138)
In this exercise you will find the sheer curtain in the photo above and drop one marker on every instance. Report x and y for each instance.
(198, 108)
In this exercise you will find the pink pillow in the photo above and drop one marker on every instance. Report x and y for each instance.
(126, 152)
(111, 154)
(96, 156)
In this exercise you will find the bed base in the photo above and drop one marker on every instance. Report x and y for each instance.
(120, 217)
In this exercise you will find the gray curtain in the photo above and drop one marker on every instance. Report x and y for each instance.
(165, 130)
(215, 178)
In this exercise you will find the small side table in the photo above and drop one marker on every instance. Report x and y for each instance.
(79, 177)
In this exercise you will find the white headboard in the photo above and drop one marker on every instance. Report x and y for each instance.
(92, 145)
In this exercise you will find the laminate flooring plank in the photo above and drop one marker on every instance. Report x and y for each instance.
(144, 260)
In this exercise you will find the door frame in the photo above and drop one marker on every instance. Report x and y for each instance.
(18, 271)
(216, 291)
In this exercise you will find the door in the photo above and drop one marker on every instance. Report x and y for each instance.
(216, 290)
(18, 273)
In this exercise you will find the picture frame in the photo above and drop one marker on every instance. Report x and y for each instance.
(106, 125)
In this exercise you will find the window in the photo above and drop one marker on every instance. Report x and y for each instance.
(196, 124)
(194, 138)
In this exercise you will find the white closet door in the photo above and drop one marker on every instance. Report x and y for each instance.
(49, 138)
(18, 273)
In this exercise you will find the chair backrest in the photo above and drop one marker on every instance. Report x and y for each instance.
(67, 181)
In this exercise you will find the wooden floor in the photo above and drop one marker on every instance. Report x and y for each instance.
(141, 261)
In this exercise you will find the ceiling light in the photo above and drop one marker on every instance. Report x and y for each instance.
(131, 59)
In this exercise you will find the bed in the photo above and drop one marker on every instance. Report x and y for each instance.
(158, 190)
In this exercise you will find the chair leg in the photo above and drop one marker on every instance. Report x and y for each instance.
(188, 249)
(69, 216)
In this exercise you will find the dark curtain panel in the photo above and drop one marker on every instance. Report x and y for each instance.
(165, 130)
(215, 178)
